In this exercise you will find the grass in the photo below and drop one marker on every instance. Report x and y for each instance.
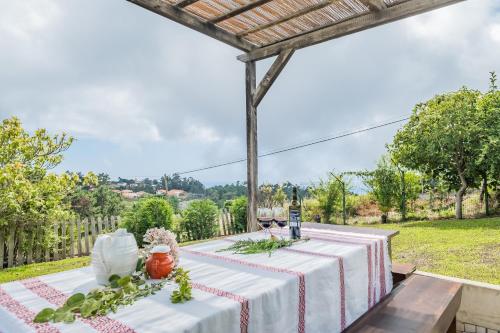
(468, 249)
(32, 270)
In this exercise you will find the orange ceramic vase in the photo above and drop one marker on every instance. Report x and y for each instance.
(159, 265)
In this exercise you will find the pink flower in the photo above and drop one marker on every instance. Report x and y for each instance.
(161, 236)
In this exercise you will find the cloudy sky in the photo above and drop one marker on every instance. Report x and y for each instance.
(145, 96)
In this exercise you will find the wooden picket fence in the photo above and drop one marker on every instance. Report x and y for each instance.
(75, 238)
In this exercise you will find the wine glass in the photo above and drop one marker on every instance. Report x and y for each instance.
(280, 216)
(265, 218)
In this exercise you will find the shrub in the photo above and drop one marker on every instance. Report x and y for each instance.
(238, 210)
(148, 213)
(199, 219)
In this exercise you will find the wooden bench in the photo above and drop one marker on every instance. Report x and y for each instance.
(401, 272)
(417, 304)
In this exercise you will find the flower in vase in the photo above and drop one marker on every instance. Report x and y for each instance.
(161, 236)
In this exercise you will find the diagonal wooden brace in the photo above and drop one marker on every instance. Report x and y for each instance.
(271, 75)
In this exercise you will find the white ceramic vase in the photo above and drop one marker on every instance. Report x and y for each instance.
(114, 253)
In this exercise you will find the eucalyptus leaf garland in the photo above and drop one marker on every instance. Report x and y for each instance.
(250, 246)
(122, 291)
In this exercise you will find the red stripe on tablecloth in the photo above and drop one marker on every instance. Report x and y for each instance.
(341, 278)
(341, 275)
(335, 238)
(102, 324)
(245, 309)
(366, 238)
(299, 275)
(23, 313)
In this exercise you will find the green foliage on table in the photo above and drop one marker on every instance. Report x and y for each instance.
(199, 219)
(238, 210)
(98, 302)
(183, 294)
(148, 213)
(454, 137)
(251, 246)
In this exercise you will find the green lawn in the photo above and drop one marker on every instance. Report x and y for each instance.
(468, 249)
(28, 271)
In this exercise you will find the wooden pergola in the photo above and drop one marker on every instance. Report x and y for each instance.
(267, 28)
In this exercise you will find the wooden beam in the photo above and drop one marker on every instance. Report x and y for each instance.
(252, 157)
(360, 23)
(239, 10)
(271, 75)
(185, 3)
(289, 17)
(180, 16)
(374, 5)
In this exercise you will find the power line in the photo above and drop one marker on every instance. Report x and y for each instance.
(299, 146)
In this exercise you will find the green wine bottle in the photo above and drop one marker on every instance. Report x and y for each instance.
(294, 216)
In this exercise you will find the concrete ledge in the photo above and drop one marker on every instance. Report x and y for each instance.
(480, 304)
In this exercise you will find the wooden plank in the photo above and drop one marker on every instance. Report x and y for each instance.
(31, 241)
(288, 17)
(106, 223)
(271, 76)
(10, 246)
(93, 230)
(191, 21)
(63, 239)
(79, 236)
(113, 223)
(71, 233)
(47, 249)
(401, 271)
(418, 304)
(374, 5)
(359, 23)
(238, 11)
(99, 225)
(252, 156)
(185, 3)
(56, 245)
(20, 240)
(39, 242)
(87, 241)
(2, 248)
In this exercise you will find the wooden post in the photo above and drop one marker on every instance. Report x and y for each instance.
(56, 244)
(79, 236)
(86, 226)
(2, 245)
(71, 239)
(10, 246)
(252, 157)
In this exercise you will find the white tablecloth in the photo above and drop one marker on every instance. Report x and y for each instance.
(321, 285)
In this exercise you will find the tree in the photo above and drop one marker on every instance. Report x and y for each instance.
(30, 195)
(279, 196)
(199, 219)
(384, 185)
(238, 210)
(488, 162)
(442, 139)
(148, 213)
(328, 193)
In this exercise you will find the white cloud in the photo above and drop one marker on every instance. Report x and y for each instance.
(107, 113)
(176, 97)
